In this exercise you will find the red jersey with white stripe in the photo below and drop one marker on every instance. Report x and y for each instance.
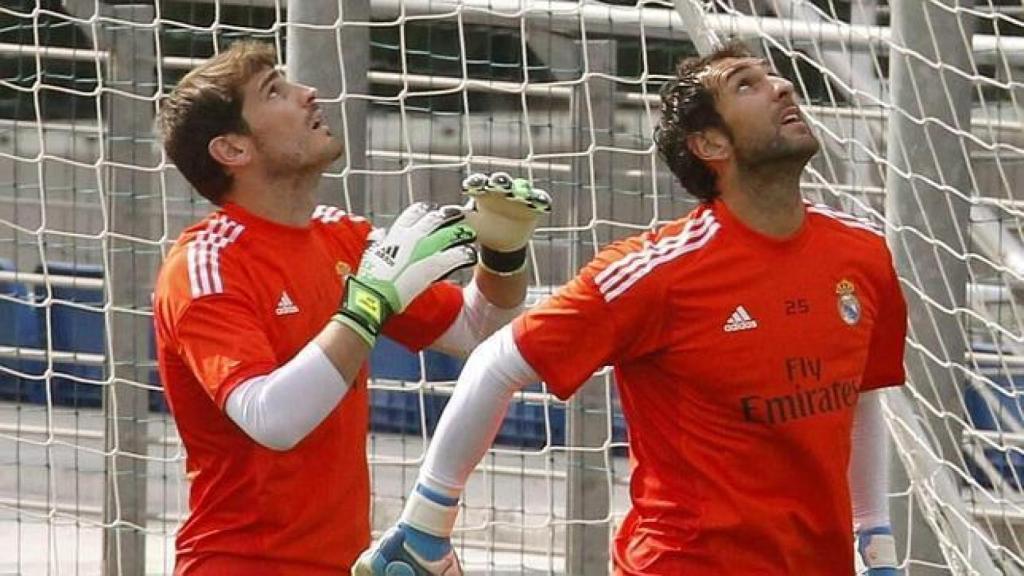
(739, 360)
(237, 297)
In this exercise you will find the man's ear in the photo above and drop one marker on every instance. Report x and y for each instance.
(710, 145)
(230, 150)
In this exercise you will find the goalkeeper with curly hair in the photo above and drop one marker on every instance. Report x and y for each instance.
(266, 309)
(749, 341)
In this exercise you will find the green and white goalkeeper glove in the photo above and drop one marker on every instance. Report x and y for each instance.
(504, 212)
(421, 247)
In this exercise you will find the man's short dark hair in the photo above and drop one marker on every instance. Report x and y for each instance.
(688, 107)
(207, 103)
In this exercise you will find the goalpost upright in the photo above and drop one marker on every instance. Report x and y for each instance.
(928, 187)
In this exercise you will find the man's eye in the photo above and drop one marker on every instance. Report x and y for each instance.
(273, 91)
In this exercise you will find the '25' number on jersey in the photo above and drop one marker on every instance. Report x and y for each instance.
(798, 306)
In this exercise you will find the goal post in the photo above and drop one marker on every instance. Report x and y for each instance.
(935, 279)
(918, 106)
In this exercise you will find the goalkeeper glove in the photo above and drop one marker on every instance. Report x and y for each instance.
(877, 549)
(419, 545)
(504, 212)
(422, 246)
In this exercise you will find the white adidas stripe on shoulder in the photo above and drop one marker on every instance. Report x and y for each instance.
(623, 274)
(330, 214)
(844, 218)
(204, 255)
(624, 265)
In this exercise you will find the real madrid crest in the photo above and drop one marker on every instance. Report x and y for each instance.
(849, 305)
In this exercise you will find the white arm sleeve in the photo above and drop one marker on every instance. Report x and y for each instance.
(477, 320)
(279, 409)
(869, 464)
(493, 373)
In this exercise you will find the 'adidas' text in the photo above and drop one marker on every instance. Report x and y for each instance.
(740, 320)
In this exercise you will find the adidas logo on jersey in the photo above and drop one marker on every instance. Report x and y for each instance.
(286, 306)
(740, 320)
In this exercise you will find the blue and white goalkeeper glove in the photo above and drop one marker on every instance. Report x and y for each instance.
(504, 212)
(877, 550)
(421, 247)
(420, 544)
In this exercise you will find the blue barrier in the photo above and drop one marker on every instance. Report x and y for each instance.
(984, 416)
(390, 360)
(75, 329)
(399, 411)
(20, 326)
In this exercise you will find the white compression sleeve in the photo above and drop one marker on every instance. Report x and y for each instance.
(493, 373)
(869, 464)
(477, 320)
(279, 409)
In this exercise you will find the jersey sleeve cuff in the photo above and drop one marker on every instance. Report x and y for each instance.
(426, 318)
(557, 384)
(879, 383)
(235, 379)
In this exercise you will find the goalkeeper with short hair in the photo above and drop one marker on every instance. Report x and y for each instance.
(266, 310)
(749, 341)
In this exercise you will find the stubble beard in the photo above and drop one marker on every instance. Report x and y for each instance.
(778, 152)
(295, 162)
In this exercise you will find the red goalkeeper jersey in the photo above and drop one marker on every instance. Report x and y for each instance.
(237, 297)
(739, 360)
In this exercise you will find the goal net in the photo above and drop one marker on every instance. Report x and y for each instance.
(917, 105)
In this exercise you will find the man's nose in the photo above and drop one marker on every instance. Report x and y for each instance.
(309, 94)
(783, 87)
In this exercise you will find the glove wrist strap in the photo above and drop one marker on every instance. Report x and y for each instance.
(503, 263)
(363, 310)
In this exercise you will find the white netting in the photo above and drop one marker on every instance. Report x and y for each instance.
(433, 89)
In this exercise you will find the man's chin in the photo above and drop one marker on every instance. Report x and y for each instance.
(336, 149)
(787, 152)
(331, 153)
(811, 147)
(803, 148)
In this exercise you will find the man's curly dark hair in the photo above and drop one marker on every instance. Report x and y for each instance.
(688, 107)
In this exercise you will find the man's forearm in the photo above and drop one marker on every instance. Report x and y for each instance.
(478, 319)
(493, 373)
(346, 350)
(279, 409)
(869, 463)
(502, 291)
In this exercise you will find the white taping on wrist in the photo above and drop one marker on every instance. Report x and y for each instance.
(880, 552)
(428, 516)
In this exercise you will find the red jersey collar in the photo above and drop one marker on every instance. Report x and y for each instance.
(734, 225)
(257, 223)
